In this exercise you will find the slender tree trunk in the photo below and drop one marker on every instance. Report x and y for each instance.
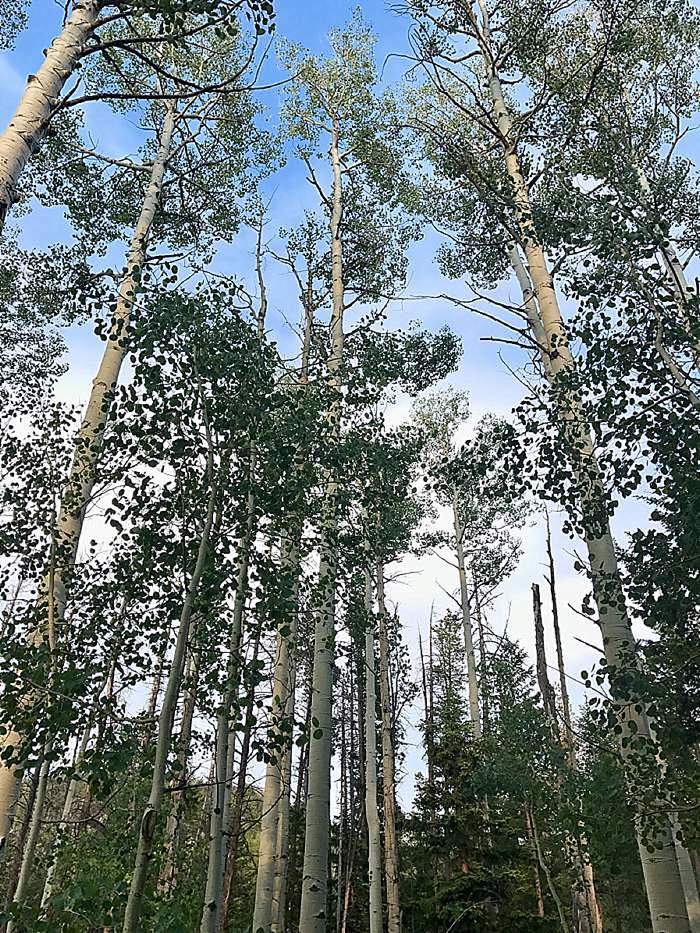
(154, 693)
(88, 443)
(371, 809)
(279, 894)
(151, 813)
(594, 909)
(587, 914)
(233, 817)
(391, 841)
(546, 691)
(563, 687)
(535, 865)
(211, 911)
(675, 271)
(474, 714)
(663, 883)
(33, 835)
(66, 811)
(343, 814)
(275, 791)
(21, 838)
(429, 753)
(167, 881)
(41, 95)
(688, 877)
(270, 886)
(547, 873)
(220, 872)
(314, 907)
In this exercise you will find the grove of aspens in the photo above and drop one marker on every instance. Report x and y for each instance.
(350, 466)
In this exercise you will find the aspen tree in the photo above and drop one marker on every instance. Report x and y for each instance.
(442, 417)
(151, 813)
(169, 869)
(594, 910)
(587, 915)
(371, 808)
(472, 22)
(224, 735)
(270, 886)
(391, 841)
(80, 37)
(219, 834)
(563, 687)
(41, 96)
(73, 784)
(83, 474)
(652, 866)
(332, 98)
(235, 798)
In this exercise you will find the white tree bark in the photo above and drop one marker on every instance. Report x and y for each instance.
(271, 882)
(313, 913)
(474, 713)
(167, 881)
(374, 840)
(33, 836)
(273, 827)
(40, 97)
(689, 879)
(664, 889)
(88, 444)
(279, 891)
(391, 841)
(224, 735)
(151, 813)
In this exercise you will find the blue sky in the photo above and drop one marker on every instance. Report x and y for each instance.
(491, 386)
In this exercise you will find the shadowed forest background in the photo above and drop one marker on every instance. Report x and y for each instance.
(349, 466)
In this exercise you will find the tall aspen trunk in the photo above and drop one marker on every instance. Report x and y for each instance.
(66, 811)
(21, 838)
(152, 811)
(391, 841)
(33, 835)
(587, 874)
(688, 878)
(429, 753)
(233, 812)
(474, 714)
(276, 789)
(224, 735)
(586, 910)
(674, 268)
(663, 883)
(88, 443)
(40, 97)
(154, 693)
(221, 869)
(279, 890)
(343, 817)
(167, 882)
(281, 866)
(270, 888)
(314, 908)
(374, 857)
